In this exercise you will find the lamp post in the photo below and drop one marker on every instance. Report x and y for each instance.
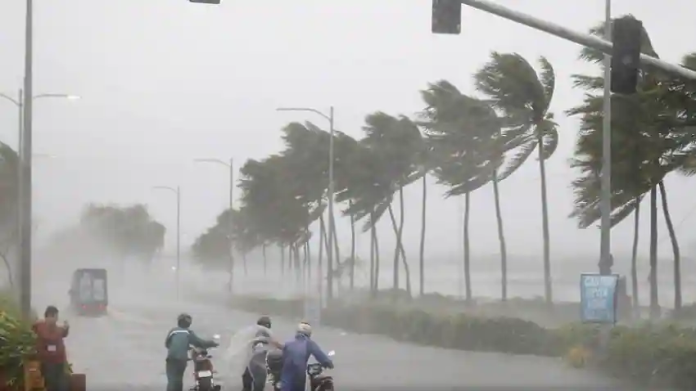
(329, 253)
(230, 224)
(24, 136)
(177, 192)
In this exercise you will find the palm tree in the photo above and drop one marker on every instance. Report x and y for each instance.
(523, 97)
(651, 137)
(363, 184)
(398, 140)
(466, 143)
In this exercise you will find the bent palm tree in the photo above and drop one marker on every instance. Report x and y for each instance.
(464, 134)
(523, 97)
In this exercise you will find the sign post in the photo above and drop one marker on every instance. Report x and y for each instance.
(598, 303)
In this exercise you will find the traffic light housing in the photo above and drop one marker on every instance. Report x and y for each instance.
(205, 1)
(627, 36)
(447, 17)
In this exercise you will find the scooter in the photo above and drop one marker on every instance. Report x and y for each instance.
(203, 370)
(317, 379)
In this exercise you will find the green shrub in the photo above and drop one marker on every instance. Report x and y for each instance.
(17, 340)
(658, 355)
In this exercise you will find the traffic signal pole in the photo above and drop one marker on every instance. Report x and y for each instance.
(573, 36)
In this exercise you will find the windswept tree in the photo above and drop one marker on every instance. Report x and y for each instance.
(127, 231)
(399, 143)
(273, 203)
(362, 184)
(523, 97)
(652, 135)
(467, 150)
(9, 186)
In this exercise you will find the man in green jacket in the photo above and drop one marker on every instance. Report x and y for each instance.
(178, 341)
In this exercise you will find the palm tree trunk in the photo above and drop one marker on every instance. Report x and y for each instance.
(675, 249)
(634, 259)
(501, 236)
(424, 199)
(407, 270)
(467, 249)
(338, 259)
(352, 248)
(308, 263)
(395, 277)
(323, 245)
(372, 260)
(322, 236)
(548, 293)
(298, 266)
(377, 260)
(244, 263)
(654, 299)
(265, 259)
(282, 260)
(374, 254)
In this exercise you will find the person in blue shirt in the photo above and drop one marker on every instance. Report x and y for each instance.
(178, 341)
(296, 354)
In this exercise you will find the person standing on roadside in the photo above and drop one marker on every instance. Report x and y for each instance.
(51, 349)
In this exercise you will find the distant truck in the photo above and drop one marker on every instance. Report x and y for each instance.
(89, 294)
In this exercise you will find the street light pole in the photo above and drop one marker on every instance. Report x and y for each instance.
(230, 222)
(177, 192)
(329, 252)
(24, 168)
(25, 182)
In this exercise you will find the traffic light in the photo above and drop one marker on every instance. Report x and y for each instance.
(447, 17)
(205, 1)
(625, 58)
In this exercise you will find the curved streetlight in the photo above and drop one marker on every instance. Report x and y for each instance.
(19, 102)
(230, 166)
(177, 192)
(329, 254)
(25, 183)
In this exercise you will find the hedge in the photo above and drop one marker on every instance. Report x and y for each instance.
(655, 355)
(17, 342)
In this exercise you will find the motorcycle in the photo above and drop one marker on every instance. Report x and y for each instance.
(318, 381)
(203, 370)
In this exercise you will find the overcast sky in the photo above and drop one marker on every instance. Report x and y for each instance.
(166, 81)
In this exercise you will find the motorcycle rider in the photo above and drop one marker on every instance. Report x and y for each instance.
(178, 341)
(296, 354)
(254, 377)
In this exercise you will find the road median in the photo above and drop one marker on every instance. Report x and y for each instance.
(652, 355)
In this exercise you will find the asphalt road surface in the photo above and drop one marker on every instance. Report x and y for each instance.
(124, 350)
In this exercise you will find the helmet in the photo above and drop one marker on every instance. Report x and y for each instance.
(184, 321)
(264, 321)
(304, 328)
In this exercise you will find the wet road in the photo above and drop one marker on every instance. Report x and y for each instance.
(125, 351)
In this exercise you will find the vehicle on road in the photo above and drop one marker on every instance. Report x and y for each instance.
(318, 380)
(203, 369)
(89, 294)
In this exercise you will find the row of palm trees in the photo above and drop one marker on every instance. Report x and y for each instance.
(466, 142)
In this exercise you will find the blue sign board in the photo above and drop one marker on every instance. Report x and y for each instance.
(598, 294)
